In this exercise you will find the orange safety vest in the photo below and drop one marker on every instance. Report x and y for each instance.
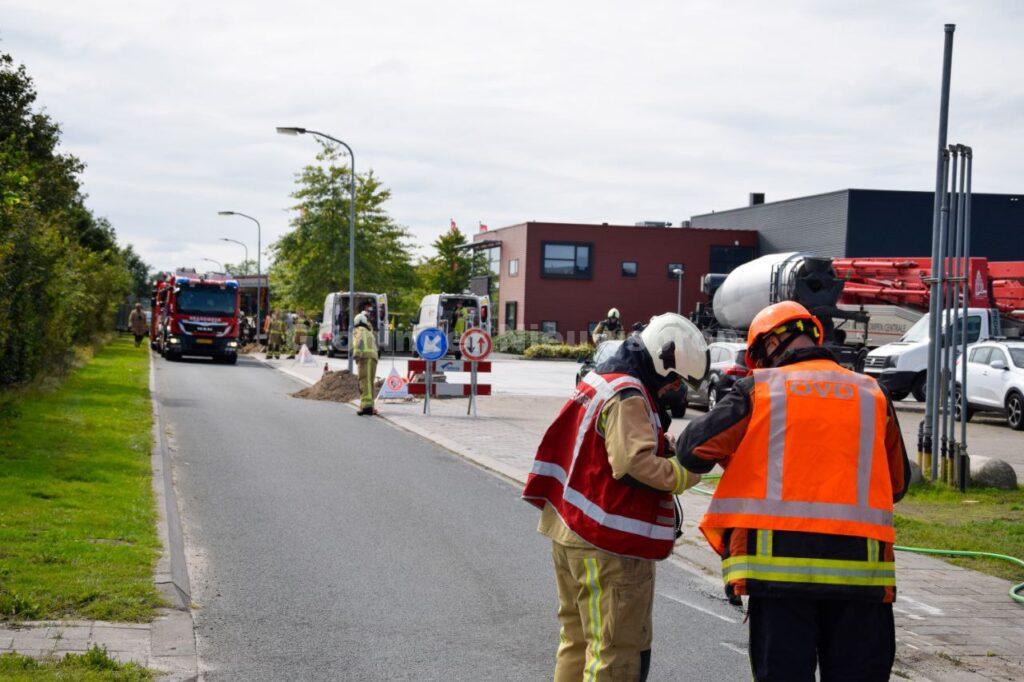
(571, 472)
(813, 458)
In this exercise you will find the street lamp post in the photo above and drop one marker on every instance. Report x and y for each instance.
(678, 272)
(259, 272)
(242, 244)
(292, 130)
(217, 263)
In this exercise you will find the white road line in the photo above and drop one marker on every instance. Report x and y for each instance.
(732, 647)
(927, 608)
(709, 612)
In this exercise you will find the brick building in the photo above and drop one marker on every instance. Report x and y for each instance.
(563, 277)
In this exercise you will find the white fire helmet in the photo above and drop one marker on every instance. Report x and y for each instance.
(613, 312)
(676, 346)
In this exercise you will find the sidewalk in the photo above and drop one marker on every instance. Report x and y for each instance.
(952, 623)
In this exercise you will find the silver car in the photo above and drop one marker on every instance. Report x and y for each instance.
(728, 363)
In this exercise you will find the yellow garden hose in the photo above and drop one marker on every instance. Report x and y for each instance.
(1015, 591)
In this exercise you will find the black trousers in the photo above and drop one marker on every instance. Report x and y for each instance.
(845, 640)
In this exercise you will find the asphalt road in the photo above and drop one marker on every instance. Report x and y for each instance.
(330, 546)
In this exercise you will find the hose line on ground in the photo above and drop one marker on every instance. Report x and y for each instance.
(1015, 591)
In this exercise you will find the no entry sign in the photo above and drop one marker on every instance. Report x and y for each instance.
(475, 344)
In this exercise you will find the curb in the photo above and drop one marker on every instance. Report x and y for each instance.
(172, 636)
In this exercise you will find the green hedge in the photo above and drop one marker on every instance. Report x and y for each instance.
(560, 350)
(517, 342)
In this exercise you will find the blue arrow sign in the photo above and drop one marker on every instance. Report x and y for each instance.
(431, 343)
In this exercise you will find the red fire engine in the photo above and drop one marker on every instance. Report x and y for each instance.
(195, 314)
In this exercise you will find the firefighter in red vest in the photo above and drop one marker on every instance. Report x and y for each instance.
(802, 517)
(604, 477)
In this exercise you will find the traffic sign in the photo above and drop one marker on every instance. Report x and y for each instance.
(395, 386)
(431, 343)
(475, 344)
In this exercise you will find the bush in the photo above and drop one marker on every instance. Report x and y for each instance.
(518, 341)
(560, 350)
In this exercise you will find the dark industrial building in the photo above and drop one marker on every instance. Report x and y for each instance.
(871, 222)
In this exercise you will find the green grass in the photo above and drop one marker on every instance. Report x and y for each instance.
(985, 519)
(94, 664)
(77, 517)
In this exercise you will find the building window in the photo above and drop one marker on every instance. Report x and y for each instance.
(493, 256)
(566, 259)
(549, 327)
(671, 270)
(513, 267)
(629, 268)
(511, 315)
(725, 259)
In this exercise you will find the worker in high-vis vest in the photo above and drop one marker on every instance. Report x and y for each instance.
(364, 350)
(604, 478)
(802, 517)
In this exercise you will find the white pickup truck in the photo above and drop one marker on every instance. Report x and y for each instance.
(901, 366)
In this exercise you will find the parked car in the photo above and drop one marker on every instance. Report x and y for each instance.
(676, 400)
(728, 363)
(995, 380)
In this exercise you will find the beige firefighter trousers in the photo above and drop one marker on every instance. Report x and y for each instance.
(604, 607)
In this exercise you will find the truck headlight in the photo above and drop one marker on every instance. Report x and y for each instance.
(173, 339)
(232, 344)
(890, 361)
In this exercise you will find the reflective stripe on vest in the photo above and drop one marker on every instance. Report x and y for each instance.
(773, 389)
(599, 515)
(804, 570)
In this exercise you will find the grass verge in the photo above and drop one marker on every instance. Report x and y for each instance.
(982, 519)
(94, 664)
(77, 517)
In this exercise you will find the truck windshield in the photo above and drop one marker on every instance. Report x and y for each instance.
(921, 329)
(206, 301)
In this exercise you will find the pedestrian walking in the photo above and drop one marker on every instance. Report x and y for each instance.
(137, 323)
(803, 515)
(364, 350)
(275, 335)
(604, 477)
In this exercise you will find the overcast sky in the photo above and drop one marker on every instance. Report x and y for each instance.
(500, 112)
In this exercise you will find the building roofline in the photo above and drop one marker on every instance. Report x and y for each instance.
(529, 223)
(842, 191)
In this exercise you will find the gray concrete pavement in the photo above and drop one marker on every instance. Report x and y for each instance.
(330, 546)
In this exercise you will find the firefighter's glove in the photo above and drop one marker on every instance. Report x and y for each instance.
(684, 479)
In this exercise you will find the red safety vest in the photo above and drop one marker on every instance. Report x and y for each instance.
(813, 458)
(571, 472)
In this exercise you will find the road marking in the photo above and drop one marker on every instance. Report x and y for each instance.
(927, 608)
(742, 651)
(709, 612)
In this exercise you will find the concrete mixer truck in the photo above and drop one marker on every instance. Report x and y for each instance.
(795, 276)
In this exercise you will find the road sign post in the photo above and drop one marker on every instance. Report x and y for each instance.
(475, 346)
(431, 344)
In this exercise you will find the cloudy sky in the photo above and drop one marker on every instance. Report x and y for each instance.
(500, 112)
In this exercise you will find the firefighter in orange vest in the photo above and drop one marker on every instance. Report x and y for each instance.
(604, 477)
(802, 517)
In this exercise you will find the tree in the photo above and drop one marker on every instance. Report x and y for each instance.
(62, 273)
(451, 269)
(246, 267)
(138, 270)
(311, 260)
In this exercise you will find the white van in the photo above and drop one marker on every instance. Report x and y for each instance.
(902, 366)
(333, 336)
(438, 310)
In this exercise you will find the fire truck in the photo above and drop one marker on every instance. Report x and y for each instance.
(195, 314)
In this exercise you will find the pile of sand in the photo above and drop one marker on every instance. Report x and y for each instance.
(250, 348)
(340, 387)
